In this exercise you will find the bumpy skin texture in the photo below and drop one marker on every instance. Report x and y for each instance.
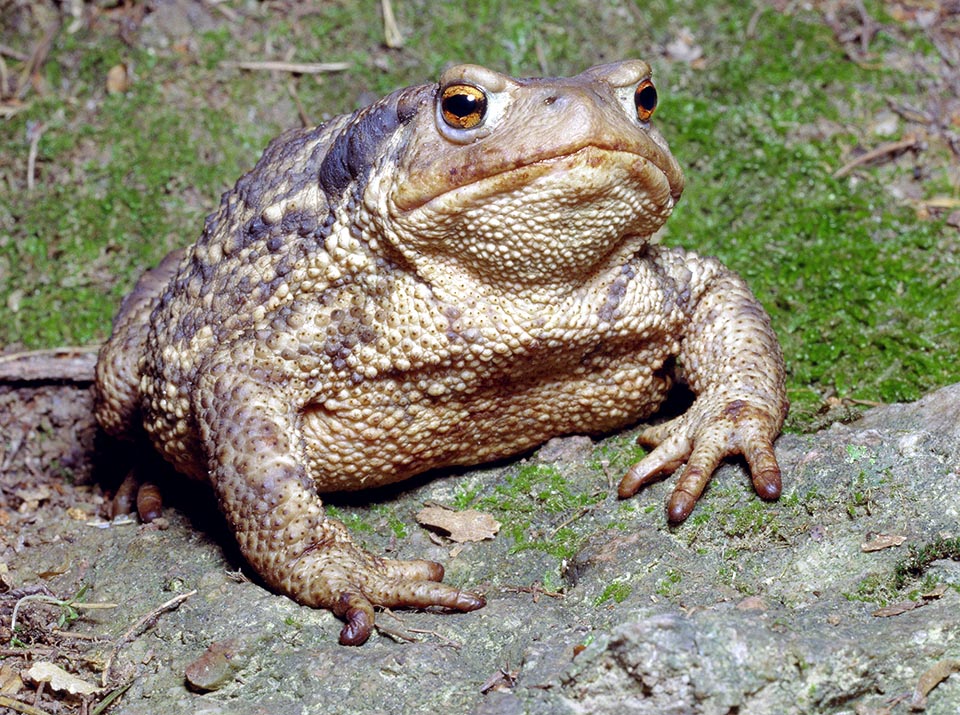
(406, 288)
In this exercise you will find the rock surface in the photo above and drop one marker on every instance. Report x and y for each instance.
(748, 607)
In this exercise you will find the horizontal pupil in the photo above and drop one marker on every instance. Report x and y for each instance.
(460, 105)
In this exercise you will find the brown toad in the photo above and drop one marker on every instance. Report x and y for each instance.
(451, 275)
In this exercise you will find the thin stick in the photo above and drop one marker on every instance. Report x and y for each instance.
(21, 707)
(881, 151)
(37, 57)
(70, 364)
(35, 131)
(292, 67)
(142, 624)
(12, 53)
(392, 36)
(292, 89)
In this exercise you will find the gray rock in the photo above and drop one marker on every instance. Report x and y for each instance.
(749, 607)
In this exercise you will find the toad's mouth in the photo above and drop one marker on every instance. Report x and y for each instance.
(595, 164)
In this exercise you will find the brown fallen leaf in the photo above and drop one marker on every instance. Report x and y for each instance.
(895, 609)
(936, 592)
(10, 682)
(882, 541)
(940, 671)
(118, 79)
(460, 526)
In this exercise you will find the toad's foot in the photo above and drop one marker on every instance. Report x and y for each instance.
(702, 438)
(280, 525)
(353, 582)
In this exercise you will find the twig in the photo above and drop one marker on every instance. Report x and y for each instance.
(34, 132)
(12, 53)
(536, 590)
(62, 603)
(142, 624)
(909, 113)
(869, 27)
(566, 522)
(384, 630)
(4, 78)
(21, 707)
(114, 694)
(70, 364)
(446, 641)
(292, 67)
(505, 677)
(754, 19)
(880, 152)
(292, 89)
(37, 57)
(392, 36)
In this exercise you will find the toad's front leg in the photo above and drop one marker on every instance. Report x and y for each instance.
(278, 518)
(730, 358)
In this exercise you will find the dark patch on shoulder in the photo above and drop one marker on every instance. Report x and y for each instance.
(360, 143)
(278, 166)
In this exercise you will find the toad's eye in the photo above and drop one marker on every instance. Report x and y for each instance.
(646, 100)
(463, 106)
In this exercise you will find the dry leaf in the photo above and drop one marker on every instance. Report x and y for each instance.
(10, 682)
(882, 541)
(931, 679)
(937, 592)
(32, 498)
(895, 609)
(118, 79)
(461, 526)
(59, 679)
(77, 514)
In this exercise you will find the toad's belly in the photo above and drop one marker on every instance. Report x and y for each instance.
(389, 430)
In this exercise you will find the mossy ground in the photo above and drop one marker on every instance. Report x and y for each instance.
(862, 291)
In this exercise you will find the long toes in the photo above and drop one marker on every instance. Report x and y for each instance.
(657, 434)
(703, 462)
(764, 469)
(663, 460)
(423, 594)
(414, 570)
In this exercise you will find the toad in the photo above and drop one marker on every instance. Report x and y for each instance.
(451, 275)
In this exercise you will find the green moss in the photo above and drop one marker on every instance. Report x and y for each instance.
(613, 457)
(753, 517)
(464, 495)
(862, 294)
(533, 488)
(873, 588)
(911, 570)
(79, 240)
(355, 522)
(669, 585)
(919, 558)
(860, 302)
(394, 523)
(531, 493)
(618, 591)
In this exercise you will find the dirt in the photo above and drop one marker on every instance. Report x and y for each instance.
(760, 609)
(769, 608)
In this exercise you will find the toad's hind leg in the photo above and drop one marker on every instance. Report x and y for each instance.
(117, 386)
(278, 519)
